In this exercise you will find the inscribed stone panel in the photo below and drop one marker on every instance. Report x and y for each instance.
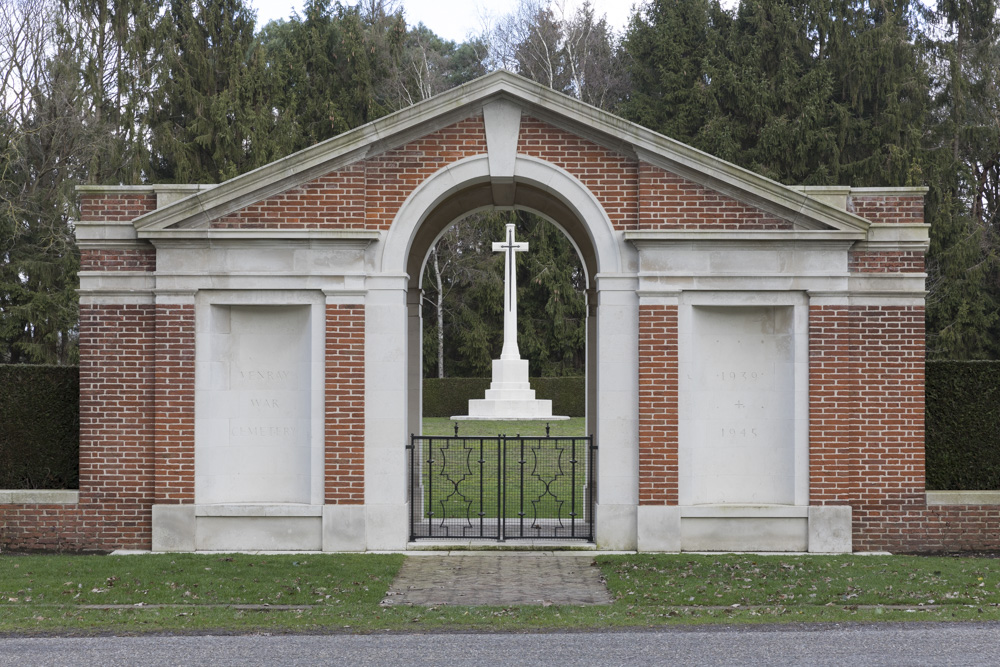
(253, 407)
(737, 407)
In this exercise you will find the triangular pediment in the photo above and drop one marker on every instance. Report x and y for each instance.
(796, 206)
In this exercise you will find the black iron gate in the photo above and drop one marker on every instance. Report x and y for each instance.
(502, 487)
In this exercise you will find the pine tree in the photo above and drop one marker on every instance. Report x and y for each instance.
(44, 152)
(332, 67)
(212, 117)
(963, 205)
(670, 48)
(773, 94)
(881, 92)
(114, 45)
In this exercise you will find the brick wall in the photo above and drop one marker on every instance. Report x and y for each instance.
(865, 363)
(175, 336)
(889, 466)
(335, 200)
(345, 405)
(117, 469)
(657, 405)
(393, 175)
(116, 207)
(888, 209)
(885, 261)
(132, 259)
(116, 442)
(832, 405)
(668, 201)
(609, 175)
(366, 193)
(866, 429)
(370, 192)
(44, 527)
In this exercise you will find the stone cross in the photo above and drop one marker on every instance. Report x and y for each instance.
(509, 247)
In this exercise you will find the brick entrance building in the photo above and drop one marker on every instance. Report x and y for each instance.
(250, 352)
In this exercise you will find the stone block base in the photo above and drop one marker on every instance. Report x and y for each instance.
(830, 529)
(744, 528)
(659, 528)
(279, 527)
(615, 527)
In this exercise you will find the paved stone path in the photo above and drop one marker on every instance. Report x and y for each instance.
(499, 579)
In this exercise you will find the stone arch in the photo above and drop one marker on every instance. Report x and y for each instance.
(550, 191)
(466, 186)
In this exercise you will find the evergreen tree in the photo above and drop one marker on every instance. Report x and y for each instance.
(773, 93)
(670, 48)
(114, 46)
(44, 151)
(332, 67)
(551, 301)
(881, 92)
(212, 117)
(962, 205)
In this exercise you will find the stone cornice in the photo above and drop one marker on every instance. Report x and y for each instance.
(359, 236)
(655, 237)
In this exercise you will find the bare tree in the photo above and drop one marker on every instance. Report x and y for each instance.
(27, 29)
(575, 53)
(48, 133)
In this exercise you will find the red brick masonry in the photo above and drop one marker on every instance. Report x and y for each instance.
(345, 405)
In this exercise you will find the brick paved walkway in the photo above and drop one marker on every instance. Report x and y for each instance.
(499, 579)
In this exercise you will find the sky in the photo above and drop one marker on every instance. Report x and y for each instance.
(453, 19)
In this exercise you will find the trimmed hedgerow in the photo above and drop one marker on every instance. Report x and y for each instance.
(963, 425)
(39, 427)
(445, 397)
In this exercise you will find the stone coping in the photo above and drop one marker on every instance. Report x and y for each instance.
(39, 497)
(744, 511)
(259, 509)
(963, 497)
(148, 187)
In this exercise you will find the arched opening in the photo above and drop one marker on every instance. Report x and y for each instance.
(608, 266)
(462, 286)
(532, 203)
(503, 452)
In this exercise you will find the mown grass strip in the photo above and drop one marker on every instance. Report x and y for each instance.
(342, 593)
(573, 427)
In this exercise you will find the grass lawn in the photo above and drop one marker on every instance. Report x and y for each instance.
(575, 426)
(341, 593)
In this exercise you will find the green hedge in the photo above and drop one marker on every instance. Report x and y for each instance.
(444, 397)
(39, 427)
(963, 425)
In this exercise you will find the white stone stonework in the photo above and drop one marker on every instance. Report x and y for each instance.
(742, 299)
(510, 395)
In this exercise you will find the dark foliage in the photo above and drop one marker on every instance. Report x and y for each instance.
(39, 427)
(445, 397)
(963, 425)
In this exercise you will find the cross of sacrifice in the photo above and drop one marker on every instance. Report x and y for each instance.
(509, 247)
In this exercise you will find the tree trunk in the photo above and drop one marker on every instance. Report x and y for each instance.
(439, 303)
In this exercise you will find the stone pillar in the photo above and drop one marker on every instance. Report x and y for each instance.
(617, 437)
(387, 392)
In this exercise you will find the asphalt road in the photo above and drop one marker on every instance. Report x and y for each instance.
(889, 644)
